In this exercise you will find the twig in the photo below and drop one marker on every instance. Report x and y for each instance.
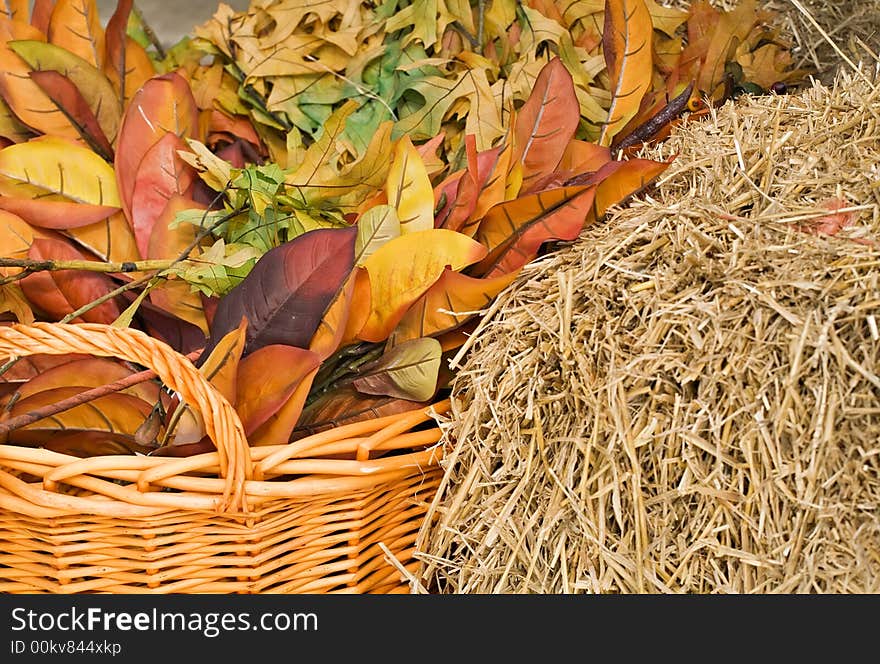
(107, 296)
(83, 397)
(29, 265)
(148, 31)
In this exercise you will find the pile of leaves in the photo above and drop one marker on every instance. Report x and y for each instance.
(335, 189)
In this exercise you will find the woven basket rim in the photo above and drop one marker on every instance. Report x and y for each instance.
(234, 479)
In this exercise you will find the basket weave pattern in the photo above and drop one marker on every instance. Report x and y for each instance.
(309, 516)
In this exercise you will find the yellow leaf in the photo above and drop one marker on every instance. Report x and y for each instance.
(12, 299)
(627, 41)
(76, 26)
(409, 189)
(396, 283)
(54, 169)
(111, 239)
(221, 367)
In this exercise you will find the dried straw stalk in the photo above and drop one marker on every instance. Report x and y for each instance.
(687, 398)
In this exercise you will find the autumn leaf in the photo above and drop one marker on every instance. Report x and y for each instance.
(269, 377)
(546, 123)
(451, 301)
(110, 239)
(514, 231)
(376, 227)
(619, 180)
(62, 292)
(409, 189)
(88, 373)
(75, 26)
(277, 429)
(20, 93)
(161, 175)
(41, 13)
(288, 291)
(626, 40)
(396, 284)
(113, 413)
(163, 105)
(407, 371)
(345, 405)
(11, 128)
(67, 97)
(54, 183)
(126, 63)
(90, 82)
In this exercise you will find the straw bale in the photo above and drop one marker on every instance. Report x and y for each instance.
(687, 398)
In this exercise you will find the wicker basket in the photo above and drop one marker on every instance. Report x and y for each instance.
(271, 519)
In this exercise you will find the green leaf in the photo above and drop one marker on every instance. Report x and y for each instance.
(407, 371)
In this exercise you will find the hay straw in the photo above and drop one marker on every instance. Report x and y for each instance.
(687, 398)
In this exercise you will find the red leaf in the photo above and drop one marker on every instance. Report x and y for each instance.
(263, 389)
(546, 122)
(126, 64)
(161, 175)
(41, 13)
(163, 105)
(288, 291)
(65, 95)
(61, 292)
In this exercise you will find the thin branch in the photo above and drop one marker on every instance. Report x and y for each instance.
(49, 410)
(29, 266)
(148, 31)
(107, 296)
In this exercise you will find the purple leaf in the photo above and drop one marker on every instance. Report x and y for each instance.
(286, 294)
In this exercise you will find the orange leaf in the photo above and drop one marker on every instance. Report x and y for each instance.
(359, 310)
(55, 214)
(267, 379)
(175, 296)
(67, 97)
(618, 180)
(448, 303)
(626, 40)
(546, 122)
(582, 156)
(332, 326)
(16, 236)
(514, 231)
(126, 63)
(89, 373)
(33, 365)
(113, 413)
(278, 428)
(64, 291)
(221, 366)
(76, 26)
(110, 239)
(41, 13)
(161, 175)
(22, 94)
(396, 284)
(15, 9)
(163, 105)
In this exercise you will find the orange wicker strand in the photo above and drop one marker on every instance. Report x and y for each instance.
(315, 515)
(224, 429)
